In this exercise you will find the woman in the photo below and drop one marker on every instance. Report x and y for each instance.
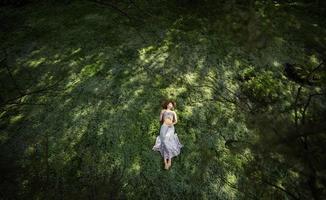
(167, 143)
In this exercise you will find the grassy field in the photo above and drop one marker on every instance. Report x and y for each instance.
(82, 83)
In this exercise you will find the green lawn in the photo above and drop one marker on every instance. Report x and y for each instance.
(80, 113)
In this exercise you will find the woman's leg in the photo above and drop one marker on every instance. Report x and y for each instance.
(170, 162)
(165, 163)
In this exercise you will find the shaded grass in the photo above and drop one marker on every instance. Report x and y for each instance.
(93, 137)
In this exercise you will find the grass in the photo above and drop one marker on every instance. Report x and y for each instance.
(99, 121)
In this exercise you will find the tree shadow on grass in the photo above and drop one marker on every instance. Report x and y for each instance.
(93, 137)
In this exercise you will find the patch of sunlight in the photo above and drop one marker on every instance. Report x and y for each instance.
(101, 131)
(141, 76)
(231, 120)
(262, 13)
(228, 73)
(319, 90)
(122, 141)
(237, 63)
(162, 57)
(279, 40)
(90, 70)
(25, 184)
(231, 178)
(74, 80)
(73, 63)
(138, 91)
(279, 183)
(190, 77)
(3, 113)
(80, 131)
(314, 59)
(276, 64)
(215, 186)
(198, 104)
(207, 93)
(67, 101)
(35, 52)
(24, 98)
(81, 112)
(227, 188)
(135, 166)
(248, 154)
(294, 174)
(173, 92)
(15, 119)
(73, 135)
(187, 111)
(212, 72)
(293, 115)
(99, 56)
(75, 51)
(51, 77)
(56, 61)
(68, 155)
(35, 63)
(203, 40)
(155, 57)
(56, 56)
(30, 150)
(99, 103)
(200, 63)
(125, 106)
(143, 53)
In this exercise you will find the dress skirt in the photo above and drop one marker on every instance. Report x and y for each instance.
(167, 143)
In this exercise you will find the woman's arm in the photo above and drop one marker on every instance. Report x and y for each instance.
(161, 115)
(175, 118)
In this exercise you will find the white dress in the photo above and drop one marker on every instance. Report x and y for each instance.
(167, 143)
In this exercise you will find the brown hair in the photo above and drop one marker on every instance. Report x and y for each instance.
(165, 105)
(166, 102)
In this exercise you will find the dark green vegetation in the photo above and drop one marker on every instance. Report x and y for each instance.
(82, 82)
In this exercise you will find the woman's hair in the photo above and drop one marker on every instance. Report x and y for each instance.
(166, 102)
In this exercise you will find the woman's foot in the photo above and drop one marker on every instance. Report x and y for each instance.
(166, 166)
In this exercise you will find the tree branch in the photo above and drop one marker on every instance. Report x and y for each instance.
(122, 13)
(280, 188)
(306, 106)
(4, 63)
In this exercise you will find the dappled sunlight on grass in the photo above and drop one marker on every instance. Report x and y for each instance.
(36, 63)
(15, 119)
(228, 190)
(92, 116)
(276, 63)
(135, 167)
(314, 59)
